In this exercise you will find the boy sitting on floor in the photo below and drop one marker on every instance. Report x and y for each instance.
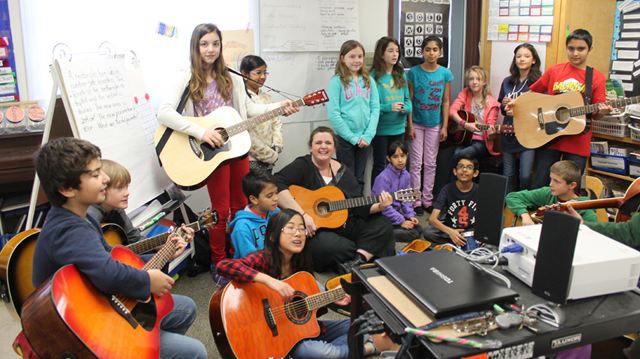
(454, 210)
(564, 179)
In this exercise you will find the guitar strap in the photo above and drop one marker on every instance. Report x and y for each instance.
(587, 95)
(168, 131)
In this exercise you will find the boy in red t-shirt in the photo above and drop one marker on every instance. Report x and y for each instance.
(570, 76)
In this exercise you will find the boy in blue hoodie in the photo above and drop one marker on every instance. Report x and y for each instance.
(249, 225)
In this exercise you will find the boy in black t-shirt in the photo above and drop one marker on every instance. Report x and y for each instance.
(454, 211)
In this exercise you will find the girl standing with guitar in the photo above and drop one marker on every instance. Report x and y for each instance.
(207, 86)
(285, 254)
(525, 70)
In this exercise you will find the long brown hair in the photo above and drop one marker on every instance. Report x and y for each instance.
(343, 71)
(379, 67)
(198, 82)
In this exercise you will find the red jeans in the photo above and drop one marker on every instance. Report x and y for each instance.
(226, 195)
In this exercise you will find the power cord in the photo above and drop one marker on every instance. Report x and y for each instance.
(486, 256)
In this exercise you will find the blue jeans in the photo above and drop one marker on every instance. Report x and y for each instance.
(354, 157)
(546, 158)
(380, 146)
(173, 342)
(477, 149)
(331, 343)
(526, 168)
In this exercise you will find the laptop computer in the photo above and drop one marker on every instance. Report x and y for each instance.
(444, 283)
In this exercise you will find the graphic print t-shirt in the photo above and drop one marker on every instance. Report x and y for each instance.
(428, 89)
(457, 208)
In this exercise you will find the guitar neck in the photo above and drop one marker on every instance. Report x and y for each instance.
(321, 299)
(244, 125)
(617, 103)
(352, 203)
(597, 203)
(148, 244)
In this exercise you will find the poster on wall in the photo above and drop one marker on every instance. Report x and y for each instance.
(8, 84)
(419, 20)
(625, 51)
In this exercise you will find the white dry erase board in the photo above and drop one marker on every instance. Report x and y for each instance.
(107, 104)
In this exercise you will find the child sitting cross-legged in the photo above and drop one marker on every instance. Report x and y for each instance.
(564, 179)
(395, 177)
(250, 224)
(454, 211)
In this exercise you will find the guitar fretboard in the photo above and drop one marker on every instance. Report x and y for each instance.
(146, 245)
(617, 103)
(321, 299)
(352, 203)
(244, 125)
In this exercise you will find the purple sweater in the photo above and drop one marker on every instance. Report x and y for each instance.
(392, 180)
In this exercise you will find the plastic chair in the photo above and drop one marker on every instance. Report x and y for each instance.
(595, 187)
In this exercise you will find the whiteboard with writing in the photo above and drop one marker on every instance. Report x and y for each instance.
(110, 107)
(299, 74)
(307, 25)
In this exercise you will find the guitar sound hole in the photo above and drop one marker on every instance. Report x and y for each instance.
(323, 208)
(297, 310)
(562, 115)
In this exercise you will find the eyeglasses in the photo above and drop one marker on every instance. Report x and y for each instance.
(467, 167)
(259, 73)
(294, 230)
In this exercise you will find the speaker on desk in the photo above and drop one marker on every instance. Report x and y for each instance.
(554, 259)
(491, 193)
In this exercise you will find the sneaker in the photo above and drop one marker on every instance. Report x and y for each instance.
(345, 267)
(419, 211)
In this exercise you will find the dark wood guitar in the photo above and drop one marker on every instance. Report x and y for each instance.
(16, 267)
(458, 135)
(626, 205)
(189, 161)
(539, 118)
(250, 320)
(68, 317)
(329, 208)
(16, 258)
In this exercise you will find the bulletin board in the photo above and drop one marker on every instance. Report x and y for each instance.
(625, 50)
(8, 85)
(520, 20)
(419, 20)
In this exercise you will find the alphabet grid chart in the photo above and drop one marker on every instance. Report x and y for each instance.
(419, 20)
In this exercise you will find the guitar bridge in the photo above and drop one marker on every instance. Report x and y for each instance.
(540, 118)
(268, 317)
(121, 309)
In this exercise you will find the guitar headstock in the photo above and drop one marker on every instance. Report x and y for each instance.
(406, 195)
(208, 218)
(506, 129)
(315, 98)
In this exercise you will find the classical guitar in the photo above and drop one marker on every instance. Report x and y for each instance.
(626, 205)
(16, 267)
(539, 118)
(250, 320)
(458, 135)
(329, 208)
(16, 258)
(68, 317)
(189, 161)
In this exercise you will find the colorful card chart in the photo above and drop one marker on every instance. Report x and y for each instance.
(524, 33)
(520, 20)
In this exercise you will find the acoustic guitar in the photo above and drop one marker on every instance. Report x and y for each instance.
(189, 161)
(329, 208)
(68, 317)
(626, 205)
(16, 258)
(458, 135)
(250, 320)
(539, 118)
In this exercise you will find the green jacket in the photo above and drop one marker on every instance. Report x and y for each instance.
(522, 201)
(623, 232)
